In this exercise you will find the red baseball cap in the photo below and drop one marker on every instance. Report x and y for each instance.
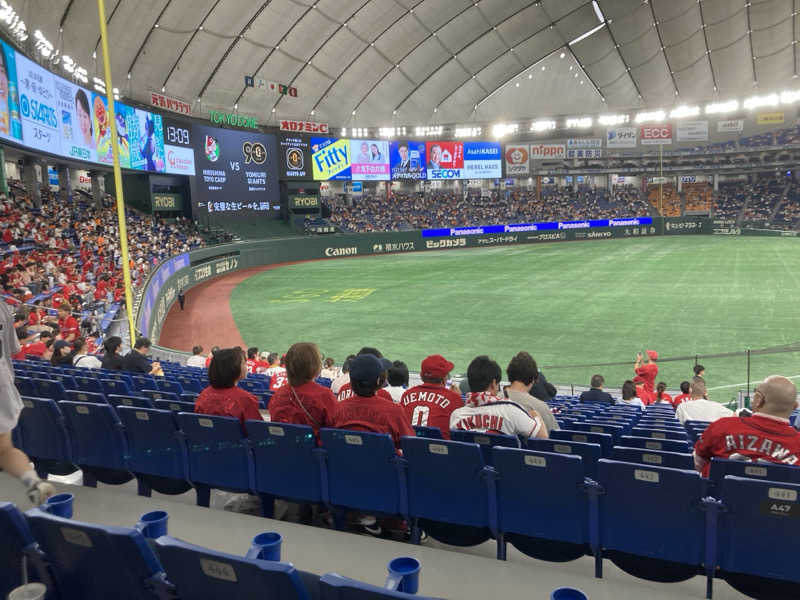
(652, 354)
(436, 366)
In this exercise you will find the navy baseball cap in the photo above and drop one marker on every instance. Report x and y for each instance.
(367, 368)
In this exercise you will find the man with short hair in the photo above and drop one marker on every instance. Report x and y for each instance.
(764, 436)
(596, 394)
(345, 391)
(196, 359)
(699, 371)
(522, 372)
(252, 360)
(683, 396)
(431, 403)
(365, 410)
(486, 411)
(698, 408)
(136, 361)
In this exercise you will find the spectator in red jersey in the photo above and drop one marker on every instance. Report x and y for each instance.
(345, 391)
(662, 397)
(68, 328)
(275, 371)
(38, 344)
(303, 401)
(252, 360)
(683, 396)
(211, 354)
(431, 403)
(365, 410)
(222, 397)
(764, 436)
(646, 375)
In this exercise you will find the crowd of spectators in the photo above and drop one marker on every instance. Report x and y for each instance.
(764, 195)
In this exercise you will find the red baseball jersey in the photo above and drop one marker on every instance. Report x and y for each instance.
(431, 405)
(757, 438)
(647, 375)
(374, 414)
(346, 392)
(317, 400)
(677, 400)
(228, 402)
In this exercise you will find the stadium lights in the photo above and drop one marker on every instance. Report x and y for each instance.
(543, 125)
(429, 131)
(14, 24)
(758, 101)
(716, 108)
(650, 116)
(611, 120)
(42, 44)
(600, 16)
(790, 97)
(467, 132)
(360, 132)
(343, 132)
(684, 111)
(579, 123)
(503, 129)
(580, 38)
(390, 132)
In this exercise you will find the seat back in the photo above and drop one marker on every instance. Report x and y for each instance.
(89, 560)
(604, 440)
(155, 446)
(286, 460)
(16, 536)
(485, 440)
(89, 384)
(439, 472)
(659, 434)
(49, 388)
(336, 587)
(98, 439)
(428, 432)
(80, 396)
(589, 453)
(364, 471)
(134, 401)
(203, 574)
(721, 467)
(219, 455)
(656, 458)
(119, 386)
(169, 385)
(615, 431)
(175, 406)
(25, 385)
(159, 395)
(143, 382)
(43, 430)
(632, 441)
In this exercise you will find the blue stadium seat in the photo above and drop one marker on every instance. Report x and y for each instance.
(49, 388)
(758, 533)
(156, 450)
(543, 504)
(253, 386)
(287, 463)
(65, 377)
(324, 381)
(18, 540)
(428, 432)
(44, 436)
(189, 384)
(589, 453)
(604, 440)
(143, 382)
(631, 441)
(657, 458)
(188, 397)
(165, 384)
(136, 401)
(25, 386)
(364, 472)
(120, 387)
(720, 467)
(89, 561)
(219, 455)
(89, 384)
(79, 396)
(204, 574)
(485, 440)
(659, 434)
(99, 447)
(336, 587)
(154, 394)
(450, 491)
(652, 522)
(175, 406)
(615, 431)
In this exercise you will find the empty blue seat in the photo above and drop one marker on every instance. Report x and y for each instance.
(119, 387)
(631, 441)
(156, 450)
(336, 587)
(485, 440)
(287, 462)
(175, 406)
(18, 541)
(165, 384)
(44, 436)
(604, 440)
(758, 533)
(364, 472)
(25, 386)
(79, 396)
(89, 384)
(115, 400)
(324, 381)
(659, 434)
(615, 431)
(66, 378)
(204, 574)
(657, 458)
(49, 388)
(159, 395)
(188, 397)
(143, 382)
(543, 504)
(98, 442)
(652, 522)
(589, 453)
(428, 432)
(254, 386)
(439, 472)
(219, 455)
(720, 467)
(97, 561)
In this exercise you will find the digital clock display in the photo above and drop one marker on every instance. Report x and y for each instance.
(176, 133)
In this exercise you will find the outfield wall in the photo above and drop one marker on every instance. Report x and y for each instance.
(187, 270)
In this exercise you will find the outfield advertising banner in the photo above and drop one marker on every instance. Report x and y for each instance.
(584, 143)
(330, 159)
(730, 126)
(518, 160)
(692, 131)
(369, 160)
(546, 226)
(407, 160)
(621, 137)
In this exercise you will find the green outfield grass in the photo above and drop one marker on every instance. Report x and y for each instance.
(565, 303)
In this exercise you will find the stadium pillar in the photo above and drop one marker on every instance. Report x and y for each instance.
(30, 181)
(123, 232)
(3, 181)
(64, 184)
(97, 190)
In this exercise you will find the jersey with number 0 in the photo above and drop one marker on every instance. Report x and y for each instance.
(431, 405)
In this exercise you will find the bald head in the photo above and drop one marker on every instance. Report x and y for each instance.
(776, 396)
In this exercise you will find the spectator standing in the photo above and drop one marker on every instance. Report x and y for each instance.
(629, 395)
(397, 378)
(522, 372)
(303, 401)
(112, 359)
(222, 397)
(431, 403)
(699, 371)
(646, 374)
(197, 359)
(136, 361)
(764, 436)
(181, 299)
(596, 393)
(698, 408)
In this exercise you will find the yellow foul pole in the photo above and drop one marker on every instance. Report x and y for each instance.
(112, 117)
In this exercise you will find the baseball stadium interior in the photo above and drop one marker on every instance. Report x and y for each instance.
(363, 299)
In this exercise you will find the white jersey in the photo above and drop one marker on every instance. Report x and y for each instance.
(197, 361)
(337, 383)
(701, 410)
(496, 417)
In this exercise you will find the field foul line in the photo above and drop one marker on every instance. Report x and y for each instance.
(722, 387)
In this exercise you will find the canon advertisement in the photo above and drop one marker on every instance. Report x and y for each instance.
(237, 173)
